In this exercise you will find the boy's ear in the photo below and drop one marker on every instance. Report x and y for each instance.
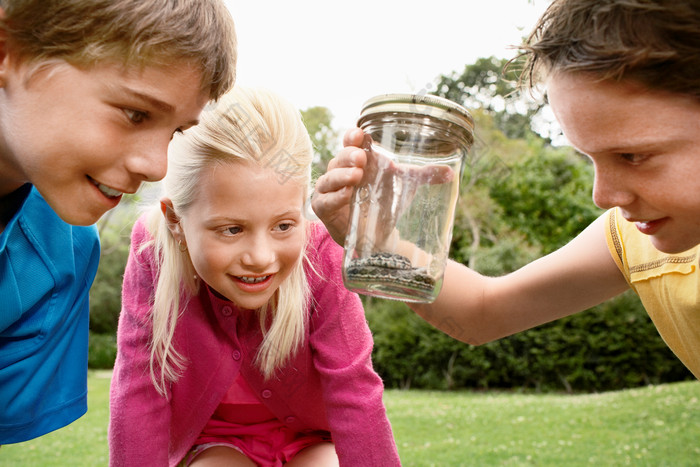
(172, 220)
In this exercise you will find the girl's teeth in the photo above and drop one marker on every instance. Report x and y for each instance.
(253, 280)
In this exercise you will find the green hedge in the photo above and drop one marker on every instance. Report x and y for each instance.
(102, 351)
(613, 346)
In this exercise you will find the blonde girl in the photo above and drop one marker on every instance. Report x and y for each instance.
(237, 341)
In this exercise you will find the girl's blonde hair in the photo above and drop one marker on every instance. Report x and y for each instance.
(245, 126)
(129, 32)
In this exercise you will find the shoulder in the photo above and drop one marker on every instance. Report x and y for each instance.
(325, 274)
(324, 256)
(142, 240)
(139, 231)
(141, 267)
(52, 237)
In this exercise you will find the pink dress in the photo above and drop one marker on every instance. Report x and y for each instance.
(242, 422)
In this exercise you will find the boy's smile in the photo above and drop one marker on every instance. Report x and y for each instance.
(86, 136)
(645, 146)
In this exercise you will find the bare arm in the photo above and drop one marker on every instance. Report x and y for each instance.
(478, 309)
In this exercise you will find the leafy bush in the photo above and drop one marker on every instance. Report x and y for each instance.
(105, 293)
(547, 196)
(613, 346)
(102, 351)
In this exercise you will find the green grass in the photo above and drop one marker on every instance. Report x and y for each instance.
(82, 443)
(652, 426)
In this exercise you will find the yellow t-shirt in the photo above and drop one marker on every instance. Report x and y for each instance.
(668, 285)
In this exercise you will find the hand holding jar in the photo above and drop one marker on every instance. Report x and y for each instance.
(402, 211)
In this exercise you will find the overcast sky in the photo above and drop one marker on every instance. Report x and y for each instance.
(339, 54)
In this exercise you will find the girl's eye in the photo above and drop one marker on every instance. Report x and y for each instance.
(232, 230)
(136, 116)
(285, 226)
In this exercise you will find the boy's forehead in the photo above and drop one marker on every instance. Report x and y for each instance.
(617, 116)
(181, 73)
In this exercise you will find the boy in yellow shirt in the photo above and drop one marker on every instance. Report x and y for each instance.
(622, 79)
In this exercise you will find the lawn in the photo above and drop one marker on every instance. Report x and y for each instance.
(651, 426)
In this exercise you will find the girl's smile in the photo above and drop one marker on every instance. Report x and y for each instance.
(245, 231)
(251, 284)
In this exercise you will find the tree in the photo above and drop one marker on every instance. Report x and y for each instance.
(323, 137)
(490, 84)
(518, 190)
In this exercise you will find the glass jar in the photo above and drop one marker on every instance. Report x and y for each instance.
(402, 212)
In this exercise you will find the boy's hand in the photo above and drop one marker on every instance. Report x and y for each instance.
(353, 165)
(331, 200)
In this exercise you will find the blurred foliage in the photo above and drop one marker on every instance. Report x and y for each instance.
(105, 293)
(520, 198)
(614, 346)
(102, 350)
(324, 138)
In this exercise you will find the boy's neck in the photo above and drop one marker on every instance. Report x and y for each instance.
(10, 179)
(10, 204)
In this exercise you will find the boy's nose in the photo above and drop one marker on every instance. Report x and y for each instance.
(610, 190)
(149, 161)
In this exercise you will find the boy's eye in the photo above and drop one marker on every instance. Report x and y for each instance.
(233, 230)
(632, 157)
(136, 116)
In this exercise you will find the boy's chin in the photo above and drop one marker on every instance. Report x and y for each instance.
(83, 218)
(673, 247)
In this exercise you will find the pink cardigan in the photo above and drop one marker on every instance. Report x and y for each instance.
(329, 385)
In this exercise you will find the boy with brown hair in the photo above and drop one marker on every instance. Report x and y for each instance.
(91, 92)
(622, 79)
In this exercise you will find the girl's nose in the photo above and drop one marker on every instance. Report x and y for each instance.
(259, 253)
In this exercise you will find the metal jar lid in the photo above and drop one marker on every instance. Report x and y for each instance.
(420, 104)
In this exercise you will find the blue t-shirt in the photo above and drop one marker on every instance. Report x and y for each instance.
(46, 269)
